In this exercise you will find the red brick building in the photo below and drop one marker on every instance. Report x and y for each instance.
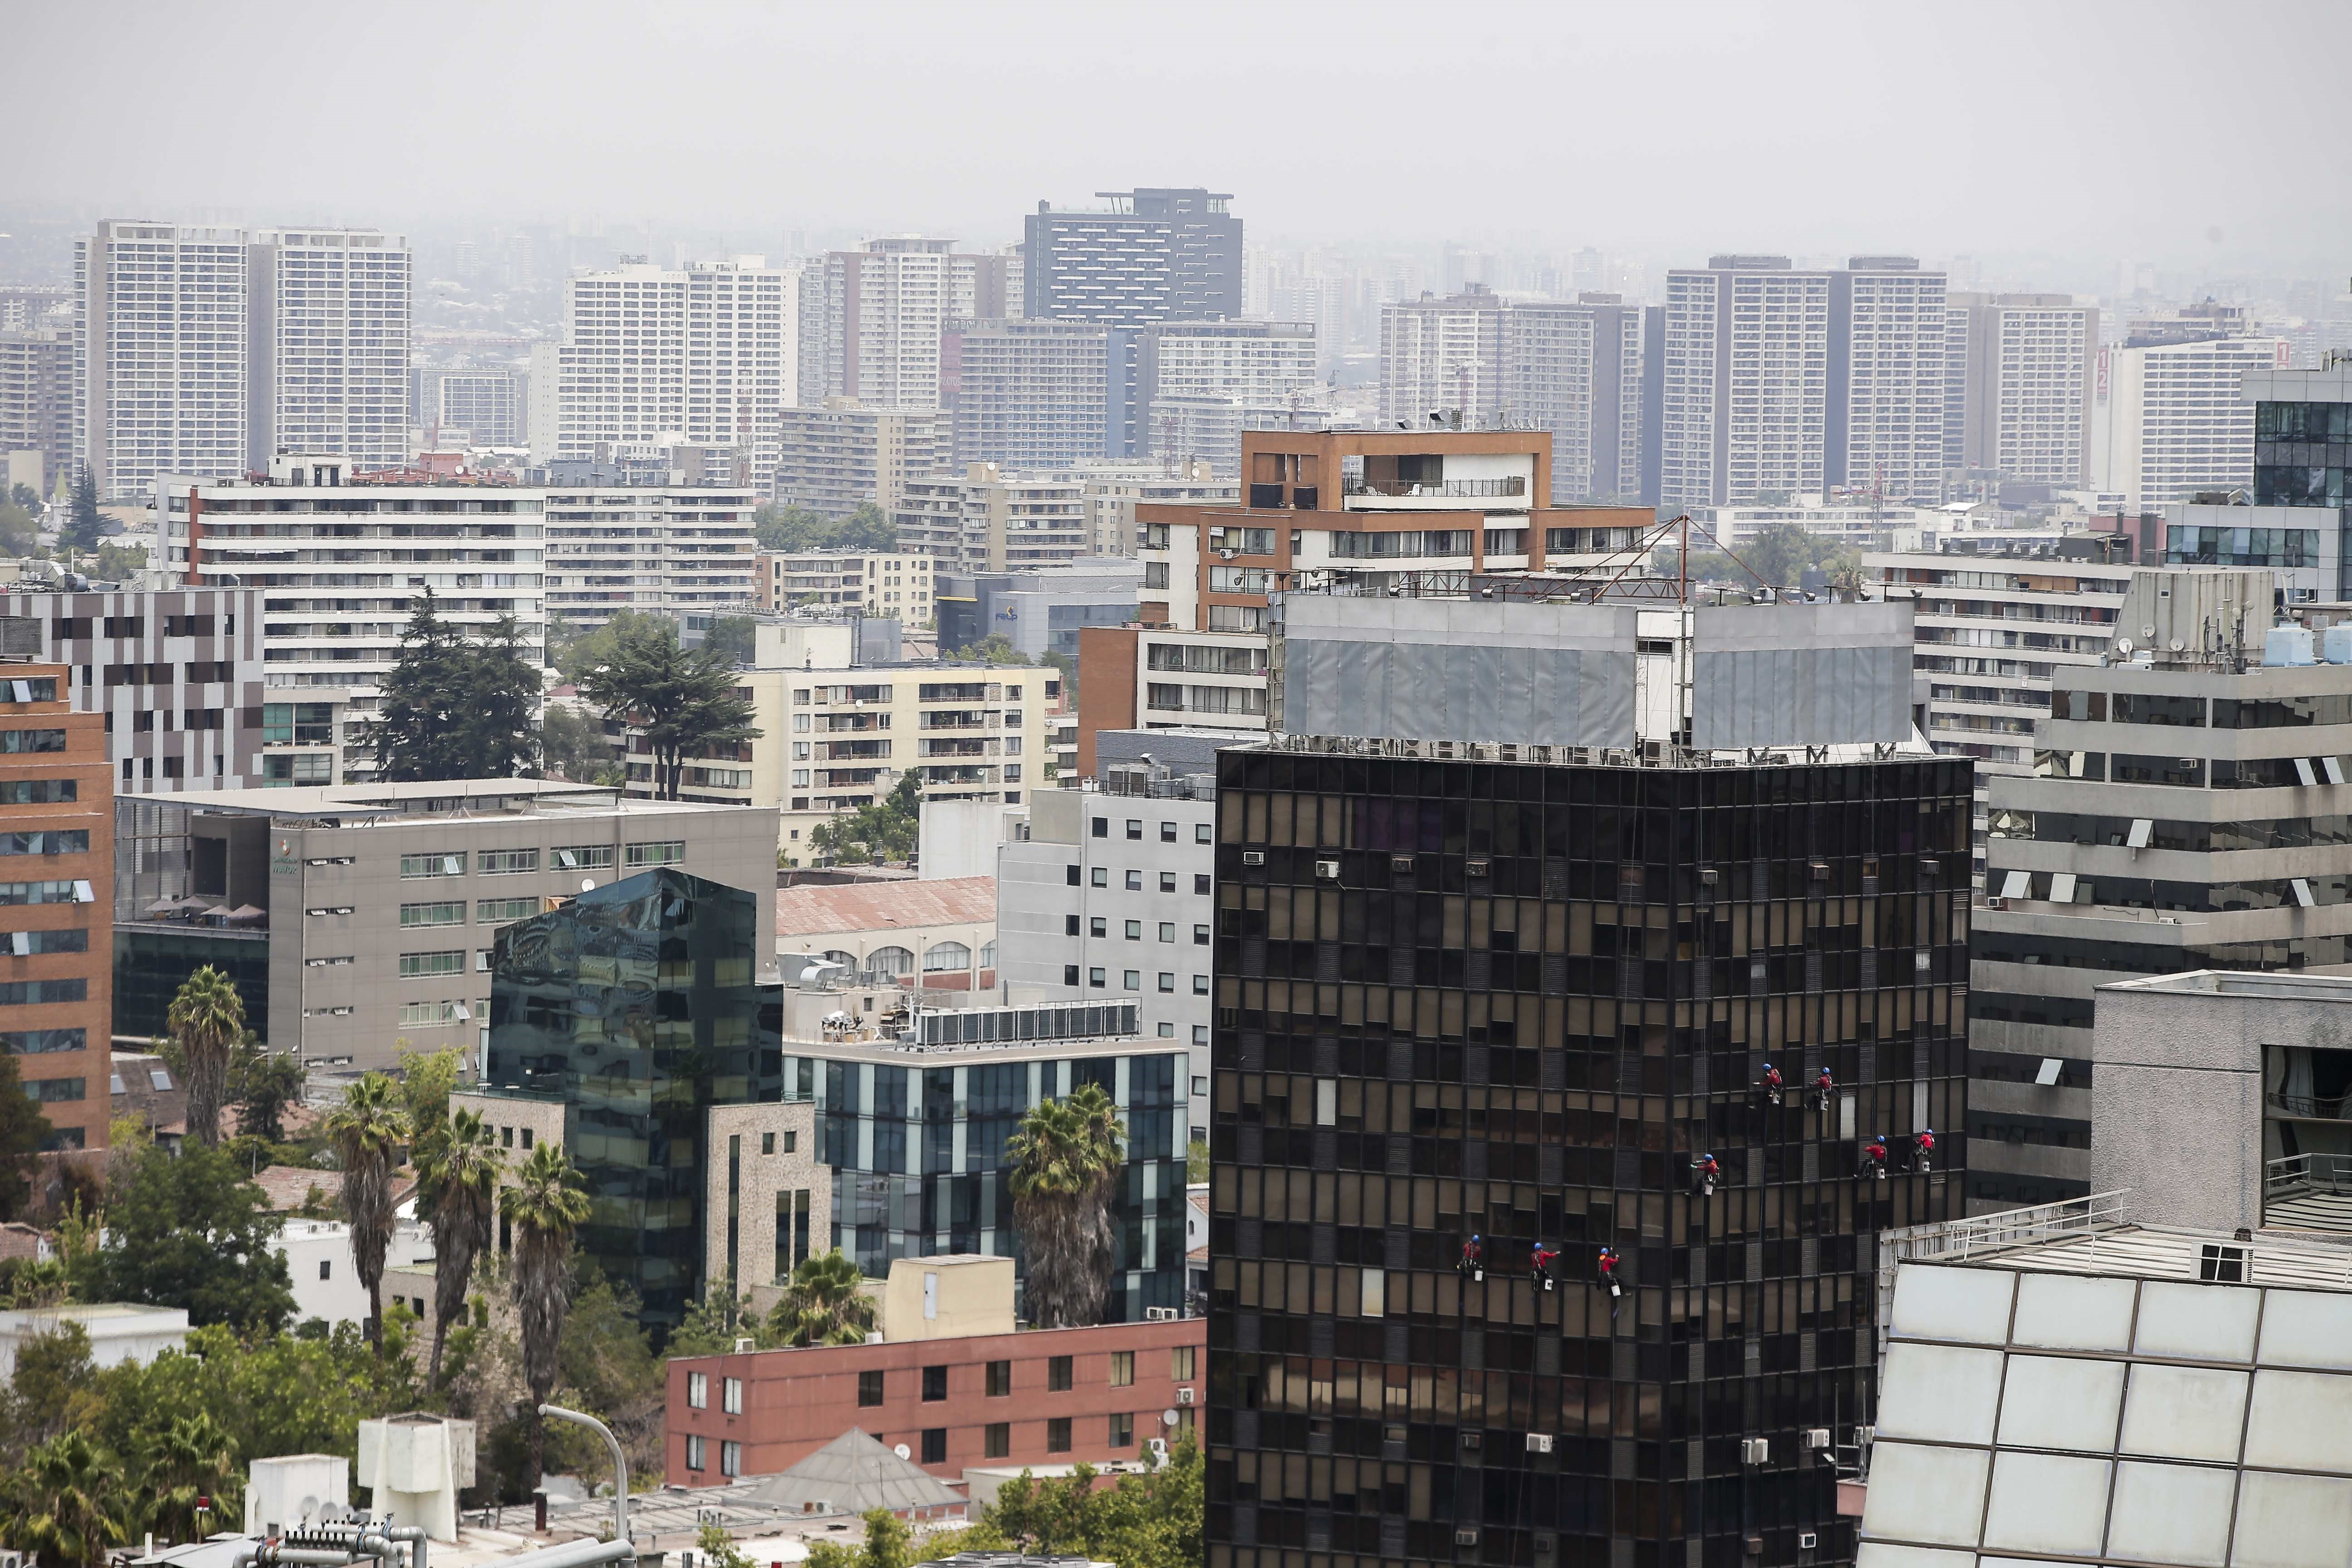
(1044, 1396)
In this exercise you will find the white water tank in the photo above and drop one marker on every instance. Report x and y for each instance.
(285, 1492)
(2335, 644)
(2288, 645)
(414, 1465)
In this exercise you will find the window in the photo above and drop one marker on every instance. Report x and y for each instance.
(428, 1014)
(791, 1141)
(1166, 881)
(1135, 881)
(24, 944)
(1102, 825)
(1058, 1435)
(1201, 833)
(499, 862)
(1100, 876)
(1057, 1374)
(1131, 979)
(1200, 986)
(57, 1091)
(696, 1453)
(450, 913)
(1070, 875)
(1069, 925)
(1168, 982)
(665, 852)
(767, 1142)
(413, 965)
(1135, 931)
(1179, 1363)
(37, 791)
(55, 841)
(869, 1388)
(326, 1269)
(1122, 1368)
(731, 1458)
(414, 866)
(33, 993)
(935, 1444)
(997, 1442)
(1167, 1031)
(942, 956)
(483, 957)
(44, 1042)
(1122, 1429)
(731, 1395)
(1097, 926)
(58, 892)
(1098, 978)
(1069, 975)
(32, 740)
(584, 857)
(1168, 931)
(1166, 832)
(1000, 1379)
(1134, 829)
(497, 911)
(935, 1384)
(1200, 936)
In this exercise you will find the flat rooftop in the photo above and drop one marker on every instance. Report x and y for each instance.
(433, 798)
(2272, 986)
(2125, 1251)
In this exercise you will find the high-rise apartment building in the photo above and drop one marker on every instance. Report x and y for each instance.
(840, 454)
(1031, 395)
(1440, 357)
(160, 354)
(985, 520)
(2169, 419)
(708, 356)
(488, 404)
(330, 314)
(876, 581)
(57, 813)
(2017, 386)
(1885, 429)
(1574, 368)
(673, 550)
(37, 386)
(1153, 255)
(1529, 1003)
(871, 319)
(1202, 384)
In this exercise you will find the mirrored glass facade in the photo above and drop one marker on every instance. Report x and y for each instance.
(1518, 1001)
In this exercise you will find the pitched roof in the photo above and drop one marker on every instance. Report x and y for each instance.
(874, 906)
(289, 1187)
(852, 1474)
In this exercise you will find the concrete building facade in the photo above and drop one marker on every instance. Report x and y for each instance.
(37, 400)
(329, 312)
(1745, 381)
(2170, 420)
(2017, 386)
(987, 518)
(1030, 395)
(879, 584)
(1162, 254)
(840, 454)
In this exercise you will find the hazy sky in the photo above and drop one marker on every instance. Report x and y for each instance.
(2190, 134)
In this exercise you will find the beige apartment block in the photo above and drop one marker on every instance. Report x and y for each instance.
(769, 1202)
(896, 586)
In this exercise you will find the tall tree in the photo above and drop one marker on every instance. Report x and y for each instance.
(23, 1131)
(572, 745)
(84, 524)
(824, 1304)
(503, 703)
(207, 1019)
(1065, 1161)
(192, 1232)
(263, 1083)
(67, 1505)
(867, 528)
(453, 708)
(685, 704)
(458, 1164)
(189, 1461)
(365, 1133)
(546, 1206)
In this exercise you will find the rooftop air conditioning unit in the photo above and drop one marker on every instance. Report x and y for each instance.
(1253, 857)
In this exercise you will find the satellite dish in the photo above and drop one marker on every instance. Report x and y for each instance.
(2124, 646)
(1169, 1418)
(903, 1451)
(2178, 645)
(587, 884)
(2147, 631)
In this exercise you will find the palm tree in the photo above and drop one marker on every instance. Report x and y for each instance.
(365, 1132)
(823, 1305)
(546, 1205)
(193, 1459)
(206, 1020)
(65, 1504)
(458, 1164)
(1065, 1161)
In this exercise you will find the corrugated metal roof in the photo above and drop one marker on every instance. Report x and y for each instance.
(909, 906)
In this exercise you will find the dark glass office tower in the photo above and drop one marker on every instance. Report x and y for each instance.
(1516, 1000)
(637, 1006)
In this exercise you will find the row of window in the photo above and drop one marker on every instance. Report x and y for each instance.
(39, 792)
(452, 911)
(52, 841)
(1099, 926)
(77, 891)
(1133, 879)
(996, 1441)
(572, 857)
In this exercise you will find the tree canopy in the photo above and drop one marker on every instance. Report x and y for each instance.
(685, 704)
(888, 830)
(1065, 1161)
(84, 524)
(191, 1232)
(800, 527)
(454, 709)
(23, 1131)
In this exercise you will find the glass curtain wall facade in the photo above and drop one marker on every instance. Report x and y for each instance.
(1455, 997)
(637, 1006)
(919, 1169)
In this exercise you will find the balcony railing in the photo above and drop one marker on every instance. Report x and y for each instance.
(2339, 1109)
(2298, 1175)
(1514, 485)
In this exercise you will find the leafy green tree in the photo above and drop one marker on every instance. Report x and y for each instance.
(732, 638)
(23, 1131)
(84, 524)
(366, 1131)
(889, 830)
(867, 527)
(263, 1083)
(189, 1461)
(53, 1389)
(1152, 1520)
(889, 1543)
(712, 1324)
(19, 534)
(207, 1020)
(454, 709)
(824, 1304)
(1065, 1161)
(714, 1546)
(25, 496)
(994, 648)
(427, 1080)
(685, 704)
(572, 745)
(1196, 1162)
(191, 1232)
(119, 562)
(458, 1164)
(546, 1207)
(67, 1505)
(790, 528)
(575, 650)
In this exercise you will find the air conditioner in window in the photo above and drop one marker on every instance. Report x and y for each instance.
(1539, 1442)
(1253, 857)
(1329, 870)
(1814, 1439)
(1183, 1397)
(1465, 1538)
(1755, 1450)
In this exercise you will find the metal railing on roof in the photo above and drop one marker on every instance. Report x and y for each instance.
(2298, 1175)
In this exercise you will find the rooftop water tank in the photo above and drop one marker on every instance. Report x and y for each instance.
(2288, 645)
(2335, 644)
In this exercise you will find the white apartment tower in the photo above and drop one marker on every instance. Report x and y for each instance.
(203, 350)
(328, 315)
(706, 356)
(1745, 399)
(1884, 413)
(874, 318)
(2017, 386)
(1574, 368)
(2169, 419)
(1440, 355)
(1203, 383)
